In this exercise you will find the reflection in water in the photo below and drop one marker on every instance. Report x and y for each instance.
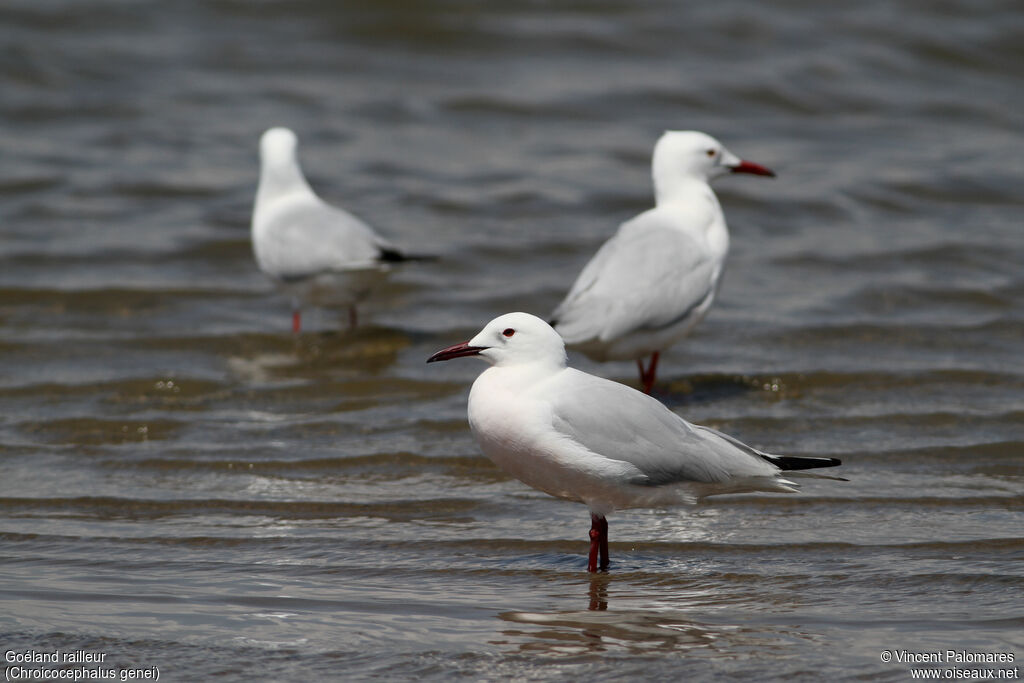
(599, 592)
(647, 627)
(308, 356)
(599, 629)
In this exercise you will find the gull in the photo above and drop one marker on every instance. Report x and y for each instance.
(587, 439)
(655, 278)
(314, 251)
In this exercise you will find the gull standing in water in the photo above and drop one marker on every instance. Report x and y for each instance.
(655, 279)
(594, 441)
(316, 252)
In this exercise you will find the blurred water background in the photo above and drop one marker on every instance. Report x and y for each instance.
(185, 485)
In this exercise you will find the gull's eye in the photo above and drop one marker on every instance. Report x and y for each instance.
(508, 332)
(711, 152)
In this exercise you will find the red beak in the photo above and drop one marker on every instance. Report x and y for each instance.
(456, 351)
(751, 167)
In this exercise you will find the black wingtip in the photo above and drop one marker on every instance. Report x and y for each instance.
(795, 462)
(388, 255)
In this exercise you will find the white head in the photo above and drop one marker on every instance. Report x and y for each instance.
(511, 339)
(682, 156)
(280, 173)
(278, 145)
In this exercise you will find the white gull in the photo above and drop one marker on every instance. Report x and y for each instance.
(594, 441)
(316, 252)
(655, 279)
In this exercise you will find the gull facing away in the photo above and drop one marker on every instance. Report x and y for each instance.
(655, 278)
(316, 252)
(594, 441)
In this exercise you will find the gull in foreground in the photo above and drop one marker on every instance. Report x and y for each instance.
(655, 279)
(594, 441)
(316, 252)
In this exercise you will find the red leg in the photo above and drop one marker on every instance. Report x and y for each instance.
(595, 541)
(647, 376)
(598, 543)
(296, 321)
(353, 317)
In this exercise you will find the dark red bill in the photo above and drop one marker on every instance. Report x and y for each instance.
(751, 167)
(456, 351)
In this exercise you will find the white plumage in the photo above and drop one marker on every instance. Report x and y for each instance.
(655, 279)
(587, 439)
(316, 252)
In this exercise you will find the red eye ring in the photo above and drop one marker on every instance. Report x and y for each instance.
(508, 332)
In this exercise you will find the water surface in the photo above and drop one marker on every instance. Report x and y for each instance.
(184, 484)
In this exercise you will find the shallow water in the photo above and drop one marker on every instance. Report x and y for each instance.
(185, 485)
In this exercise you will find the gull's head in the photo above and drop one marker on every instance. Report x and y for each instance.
(278, 145)
(511, 339)
(690, 154)
(280, 173)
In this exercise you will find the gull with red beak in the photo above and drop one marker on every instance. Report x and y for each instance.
(655, 279)
(590, 440)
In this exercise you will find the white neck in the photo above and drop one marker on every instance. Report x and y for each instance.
(694, 209)
(281, 178)
(520, 376)
(671, 185)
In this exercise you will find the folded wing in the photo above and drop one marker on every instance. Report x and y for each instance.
(619, 423)
(304, 238)
(646, 277)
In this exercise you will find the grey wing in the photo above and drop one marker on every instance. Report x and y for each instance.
(789, 463)
(734, 441)
(647, 276)
(318, 238)
(620, 423)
